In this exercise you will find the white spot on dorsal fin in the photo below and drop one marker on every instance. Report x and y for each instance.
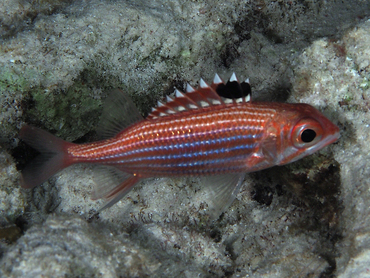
(204, 103)
(189, 88)
(169, 99)
(192, 106)
(233, 77)
(203, 84)
(215, 101)
(217, 79)
(159, 103)
(179, 93)
(228, 100)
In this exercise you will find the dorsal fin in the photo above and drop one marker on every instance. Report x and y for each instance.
(217, 93)
(118, 113)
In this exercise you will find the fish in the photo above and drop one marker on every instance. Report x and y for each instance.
(215, 131)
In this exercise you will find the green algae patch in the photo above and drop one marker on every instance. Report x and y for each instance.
(12, 86)
(11, 81)
(71, 113)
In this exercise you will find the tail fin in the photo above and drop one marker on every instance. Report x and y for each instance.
(53, 156)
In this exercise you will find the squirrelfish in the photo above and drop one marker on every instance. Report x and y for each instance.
(214, 130)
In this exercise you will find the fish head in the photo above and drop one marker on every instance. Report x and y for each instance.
(303, 131)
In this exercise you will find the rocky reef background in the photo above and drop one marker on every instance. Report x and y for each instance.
(58, 60)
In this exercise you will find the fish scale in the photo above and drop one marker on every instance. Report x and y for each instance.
(198, 133)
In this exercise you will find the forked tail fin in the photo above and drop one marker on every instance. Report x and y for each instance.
(53, 157)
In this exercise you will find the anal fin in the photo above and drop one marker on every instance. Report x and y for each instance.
(111, 184)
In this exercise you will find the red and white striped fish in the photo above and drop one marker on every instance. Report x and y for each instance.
(214, 130)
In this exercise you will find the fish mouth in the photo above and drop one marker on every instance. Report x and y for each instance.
(325, 142)
(330, 139)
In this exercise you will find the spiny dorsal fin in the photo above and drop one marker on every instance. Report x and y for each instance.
(217, 93)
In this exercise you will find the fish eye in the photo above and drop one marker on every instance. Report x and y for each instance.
(308, 135)
(307, 132)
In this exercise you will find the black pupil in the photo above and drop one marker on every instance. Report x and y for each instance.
(308, 135)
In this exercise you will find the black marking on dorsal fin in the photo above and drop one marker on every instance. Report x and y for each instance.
(233, 89)
(205, 96)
